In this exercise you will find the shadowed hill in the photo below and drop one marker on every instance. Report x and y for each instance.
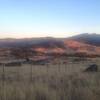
(92, 39)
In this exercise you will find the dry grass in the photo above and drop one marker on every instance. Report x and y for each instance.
(50, 82)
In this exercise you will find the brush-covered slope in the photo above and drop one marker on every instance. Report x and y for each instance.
(84, 43)
(82, 47)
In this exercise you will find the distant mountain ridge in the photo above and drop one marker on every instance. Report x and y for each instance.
(84, 43)
(92, 39)
(27, 42)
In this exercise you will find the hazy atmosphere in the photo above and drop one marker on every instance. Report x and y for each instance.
(41, 18)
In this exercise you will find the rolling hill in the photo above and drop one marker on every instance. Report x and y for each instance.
(92, 39)
(83, 43)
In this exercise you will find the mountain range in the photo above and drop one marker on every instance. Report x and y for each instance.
(84, 43)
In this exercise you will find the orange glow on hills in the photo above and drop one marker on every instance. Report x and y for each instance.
(70, 45)
(82, 47)
(42, 50)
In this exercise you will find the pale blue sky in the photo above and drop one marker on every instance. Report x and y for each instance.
(58, 18)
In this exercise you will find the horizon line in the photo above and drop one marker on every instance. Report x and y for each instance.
(29, 37)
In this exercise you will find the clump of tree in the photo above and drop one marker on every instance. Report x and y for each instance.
(23, 53)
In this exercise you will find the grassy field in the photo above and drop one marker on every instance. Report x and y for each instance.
(55, 81)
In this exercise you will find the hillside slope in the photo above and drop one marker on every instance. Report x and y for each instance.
(92, 39)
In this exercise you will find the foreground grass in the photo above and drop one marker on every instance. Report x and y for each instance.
(71, 87)
(64, 82)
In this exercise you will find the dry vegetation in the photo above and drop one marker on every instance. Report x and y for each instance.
(58, 80)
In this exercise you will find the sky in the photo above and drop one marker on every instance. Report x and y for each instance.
(43, 18)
